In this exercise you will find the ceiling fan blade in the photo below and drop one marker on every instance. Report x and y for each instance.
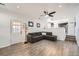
(53, 12)
(2, 4)
(50, 15)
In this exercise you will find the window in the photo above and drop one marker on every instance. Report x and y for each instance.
(16, 27)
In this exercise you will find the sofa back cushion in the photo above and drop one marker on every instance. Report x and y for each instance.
(35, 34)
(49, 33)
(40, 33)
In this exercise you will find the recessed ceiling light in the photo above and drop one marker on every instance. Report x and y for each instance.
(18, 6)
(60, 6)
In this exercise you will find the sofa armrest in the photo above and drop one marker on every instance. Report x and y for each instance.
(29, 37)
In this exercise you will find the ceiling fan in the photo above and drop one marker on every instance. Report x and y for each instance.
(2, 4)
(49, 14)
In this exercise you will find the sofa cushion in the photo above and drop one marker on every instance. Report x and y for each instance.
(35, 34)
(49, 33)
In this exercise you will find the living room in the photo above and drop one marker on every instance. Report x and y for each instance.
(38, 25)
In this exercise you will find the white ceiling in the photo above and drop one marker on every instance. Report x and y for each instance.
(34, 10)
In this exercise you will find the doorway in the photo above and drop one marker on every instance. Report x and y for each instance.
(65, 25)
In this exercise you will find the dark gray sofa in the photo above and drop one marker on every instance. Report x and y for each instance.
(35, 37)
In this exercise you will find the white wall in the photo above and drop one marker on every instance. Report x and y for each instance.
(4, 29)
(77, 29)
(77, 26)
(34, 29)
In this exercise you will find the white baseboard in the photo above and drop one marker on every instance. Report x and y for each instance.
(5, 46)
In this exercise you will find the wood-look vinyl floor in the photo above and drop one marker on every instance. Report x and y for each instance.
(42, 48)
